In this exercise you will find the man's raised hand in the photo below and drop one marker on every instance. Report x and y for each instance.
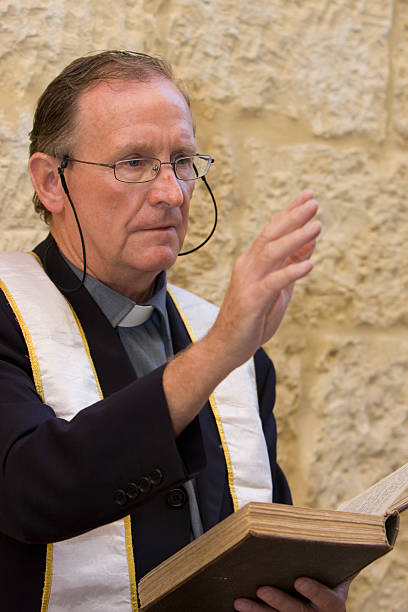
(263, 278)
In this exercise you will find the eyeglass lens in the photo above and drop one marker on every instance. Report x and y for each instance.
(141, 170)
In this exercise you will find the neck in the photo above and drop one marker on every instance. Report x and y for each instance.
(134, 289)
(138, 287)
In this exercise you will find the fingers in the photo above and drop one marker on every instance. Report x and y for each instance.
(281, 601)
(288, 238)
(321, 598)
(304, 252)
(285, 277)
(307, 194)
(287, 258)
(247, 605)
(288, 220)
(291, 244)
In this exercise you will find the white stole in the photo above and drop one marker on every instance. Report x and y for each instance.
(234, 403)
(93, 571)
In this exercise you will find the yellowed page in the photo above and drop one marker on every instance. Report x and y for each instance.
(378, 498)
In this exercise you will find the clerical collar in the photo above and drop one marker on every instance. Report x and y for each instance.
(120, 310)
(137, 315)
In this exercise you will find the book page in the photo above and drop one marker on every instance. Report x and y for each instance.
(378, 498)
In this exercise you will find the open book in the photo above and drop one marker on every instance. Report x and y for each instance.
(273, 544)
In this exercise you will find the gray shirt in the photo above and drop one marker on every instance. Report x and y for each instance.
(149, 344)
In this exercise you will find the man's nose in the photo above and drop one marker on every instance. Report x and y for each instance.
(166, 188)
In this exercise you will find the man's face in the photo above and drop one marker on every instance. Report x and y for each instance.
(132, 231)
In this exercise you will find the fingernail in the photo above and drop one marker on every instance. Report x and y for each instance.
(303, 586)
(242, 606)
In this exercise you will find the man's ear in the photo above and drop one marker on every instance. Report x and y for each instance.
(46, 181)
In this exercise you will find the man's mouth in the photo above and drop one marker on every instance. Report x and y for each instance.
(160, 228)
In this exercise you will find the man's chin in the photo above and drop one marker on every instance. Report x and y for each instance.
(157, 259)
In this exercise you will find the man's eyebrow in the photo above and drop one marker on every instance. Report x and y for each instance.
(186, 149)
(143, 149)
(137, 149)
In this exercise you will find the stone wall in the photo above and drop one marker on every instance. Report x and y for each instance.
(286, 94)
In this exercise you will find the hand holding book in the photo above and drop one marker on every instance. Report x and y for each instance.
(321, 598)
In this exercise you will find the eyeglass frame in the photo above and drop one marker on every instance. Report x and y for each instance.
(210, 161)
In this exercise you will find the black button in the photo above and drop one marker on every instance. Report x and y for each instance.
(156, 476)
(132, 490)
(120, 497)
(176, 498)
(144, 484)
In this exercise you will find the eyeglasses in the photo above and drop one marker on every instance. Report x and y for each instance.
(145, 169)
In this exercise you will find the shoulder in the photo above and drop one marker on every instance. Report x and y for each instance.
(13, 348)
(19, 273)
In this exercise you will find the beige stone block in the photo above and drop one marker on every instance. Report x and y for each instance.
(326, 64)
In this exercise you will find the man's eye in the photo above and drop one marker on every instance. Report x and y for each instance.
(135, 163)
(184, 161)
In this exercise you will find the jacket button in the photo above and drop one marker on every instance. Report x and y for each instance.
(120, 497)
(132, 490)
(176, 498)
(144, 484)
(156, 476)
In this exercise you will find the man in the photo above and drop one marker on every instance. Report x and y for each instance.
(112, 455)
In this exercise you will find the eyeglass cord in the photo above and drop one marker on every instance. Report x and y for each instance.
(61, 169)
(214, 224)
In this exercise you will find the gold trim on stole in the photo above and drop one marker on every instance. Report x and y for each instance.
(27, 337)
(40, 390)
(131, 563)
(214, 409)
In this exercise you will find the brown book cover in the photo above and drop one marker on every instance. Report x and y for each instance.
(273, 544)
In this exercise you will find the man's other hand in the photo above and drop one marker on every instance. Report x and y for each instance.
(321, 598)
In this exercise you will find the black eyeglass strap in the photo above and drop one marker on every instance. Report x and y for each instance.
(64, 164)
(61, 169)
(214, 224)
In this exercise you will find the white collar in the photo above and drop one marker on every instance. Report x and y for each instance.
(136, 316)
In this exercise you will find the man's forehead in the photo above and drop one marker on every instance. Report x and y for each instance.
(117, 93)
(121, 112)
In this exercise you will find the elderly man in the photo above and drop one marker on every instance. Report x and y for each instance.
(124, 402)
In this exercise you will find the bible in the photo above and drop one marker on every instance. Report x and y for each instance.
(273, 544)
